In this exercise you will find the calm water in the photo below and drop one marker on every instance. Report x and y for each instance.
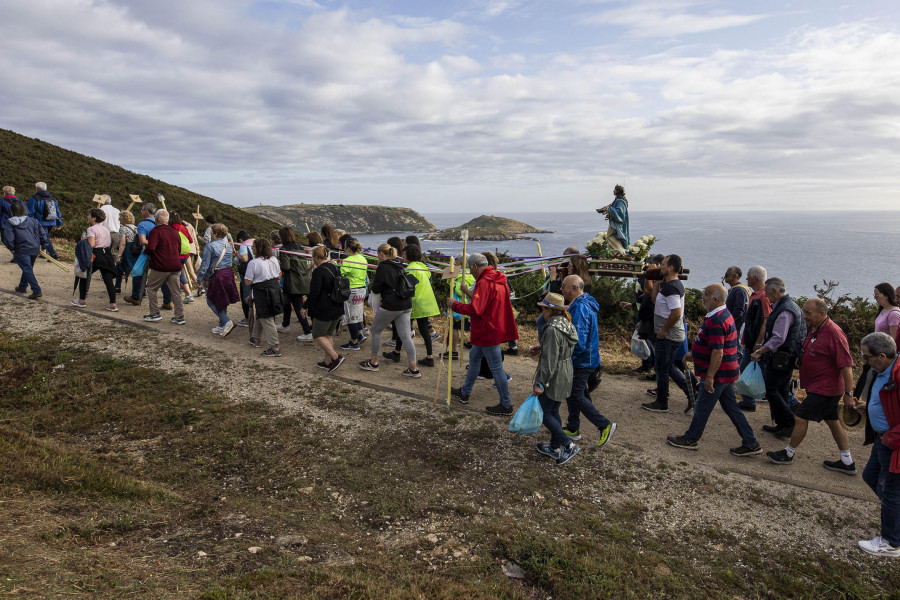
(857, 250)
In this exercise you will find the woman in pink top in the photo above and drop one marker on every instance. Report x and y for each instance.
(104, 261)
(888, 318)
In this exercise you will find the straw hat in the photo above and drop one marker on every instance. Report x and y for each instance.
(849, 418)
(553, 300)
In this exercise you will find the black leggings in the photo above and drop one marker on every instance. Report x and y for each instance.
(109, 280)
(294, 301)
(423, 329)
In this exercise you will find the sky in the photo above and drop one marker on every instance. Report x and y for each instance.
(471, 105)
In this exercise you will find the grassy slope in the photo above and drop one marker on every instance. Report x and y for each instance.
(352, 218)
(488, 227)
(74, 179)
(116, 477)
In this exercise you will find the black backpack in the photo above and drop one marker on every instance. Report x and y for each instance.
(136, 247)
(340, 291)
(406, 286)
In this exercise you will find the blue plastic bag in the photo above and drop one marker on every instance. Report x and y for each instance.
(140, 266)
(751, 383)
(529, 417)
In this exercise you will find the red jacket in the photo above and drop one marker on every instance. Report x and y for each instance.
(890, 403)
(493, 322)
(163, 249)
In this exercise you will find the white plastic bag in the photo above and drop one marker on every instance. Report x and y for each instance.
(639, 347)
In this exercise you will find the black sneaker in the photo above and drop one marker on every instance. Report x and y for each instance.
(336, 363)
(350, 346)
(153, 318)
(780, 458)
(746, 451)
(426, 362)
(458, 394)
(679, 441)
(467, 345)
(511, 352)
(178, 320)
(746, 406)
(367, 365)
(499, 410)
(410, 373)
(655, 407)
(447, 355)
(840, 467)
(771, 428)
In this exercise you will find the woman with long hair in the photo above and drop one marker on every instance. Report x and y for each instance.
(296, 271)
(393, 308)
(354, 267)
(262, 276)
(326, 313)
(888, 318)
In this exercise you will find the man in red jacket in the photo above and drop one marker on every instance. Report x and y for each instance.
(163, 252)
(493, 324)
(881, 404)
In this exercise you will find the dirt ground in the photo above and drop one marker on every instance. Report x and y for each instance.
(640, 434)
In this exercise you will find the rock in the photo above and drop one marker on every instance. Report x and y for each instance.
(253, 549)
(286, 541)
(201, 554)
(306, 490)
(304, 559)
(513, 571)
(432, 538)
(339, 558)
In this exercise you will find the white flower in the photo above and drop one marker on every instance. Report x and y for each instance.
(645, 238)
(642, 245)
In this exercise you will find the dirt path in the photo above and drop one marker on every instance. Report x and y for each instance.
(618, 397)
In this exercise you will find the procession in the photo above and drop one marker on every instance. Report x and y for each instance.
(321, 295)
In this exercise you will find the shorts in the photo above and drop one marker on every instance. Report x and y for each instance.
(456, 324)
(817, 407)
(353, 306)
(325, 328)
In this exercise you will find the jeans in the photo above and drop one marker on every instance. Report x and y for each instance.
(295, 302)
(50, 249)
(494, 357)
(552, 421)
(223, 316)
(26, 263)
(541, 325)
(745, 361)
(886, 486)
(665, 368)
(649, 362)
(778, 385)
(723, 393)
(578, 402)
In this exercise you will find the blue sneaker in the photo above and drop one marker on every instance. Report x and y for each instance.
(546, 450)
(566, 454)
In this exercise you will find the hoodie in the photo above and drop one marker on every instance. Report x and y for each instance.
(554, 370)
(23, 235)
(491, 311)
(584, 310)
(36, 209)
(386, 281)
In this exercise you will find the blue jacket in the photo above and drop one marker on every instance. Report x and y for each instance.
(23, 235)
(586, 354)
(36, 209)
(6, 203)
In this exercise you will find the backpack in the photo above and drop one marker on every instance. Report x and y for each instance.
(136, 247)
(50, 213)
(406, 286)
(340, 291)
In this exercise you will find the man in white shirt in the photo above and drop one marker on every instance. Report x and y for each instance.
(111, 221)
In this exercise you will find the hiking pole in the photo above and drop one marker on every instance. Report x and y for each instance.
(450, 339)
(465, 299)
(54, 261)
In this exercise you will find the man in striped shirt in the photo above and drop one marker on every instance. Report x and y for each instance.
(715, 359)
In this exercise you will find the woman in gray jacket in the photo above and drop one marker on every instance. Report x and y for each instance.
(553, 377)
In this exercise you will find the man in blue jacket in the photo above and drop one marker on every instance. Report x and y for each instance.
(42, 205)
(24, 237)
(585, 360)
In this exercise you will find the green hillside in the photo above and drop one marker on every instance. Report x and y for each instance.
(487, 227)
(74, 179)
(352, 218)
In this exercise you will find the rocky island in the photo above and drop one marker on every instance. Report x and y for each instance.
(489, 228)
(352, 218)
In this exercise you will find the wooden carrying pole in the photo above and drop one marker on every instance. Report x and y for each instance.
(54, 261)
(450, 339)
(465, 298)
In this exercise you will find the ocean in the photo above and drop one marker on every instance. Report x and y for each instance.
(803, 248)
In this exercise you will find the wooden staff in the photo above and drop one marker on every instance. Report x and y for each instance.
(465, 298)
(54, 261)
(541, 254)
(450, 339)
(162, 200)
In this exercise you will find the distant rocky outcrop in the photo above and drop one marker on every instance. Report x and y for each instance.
(352, 218)
(489, 228)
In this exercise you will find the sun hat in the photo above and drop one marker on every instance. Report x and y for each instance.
(849, 419)
(553, 300)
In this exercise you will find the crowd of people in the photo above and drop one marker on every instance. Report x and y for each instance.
(323, 286)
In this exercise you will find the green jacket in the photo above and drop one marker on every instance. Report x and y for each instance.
(296, 270)
(424, 303)
(554, 370)
(355, 268)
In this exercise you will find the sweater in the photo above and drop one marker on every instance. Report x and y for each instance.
(163, 249)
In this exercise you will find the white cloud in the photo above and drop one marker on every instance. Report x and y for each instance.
(668, 18)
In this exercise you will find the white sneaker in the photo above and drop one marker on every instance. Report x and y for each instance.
(188, 299)
(306, 337)
(879, 547)
(282, 328)
(243, 323)
(226, 329)
(218, 329)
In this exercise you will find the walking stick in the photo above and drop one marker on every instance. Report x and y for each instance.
(465, 299)
(450, 339)
(162, 200)
(54, 261)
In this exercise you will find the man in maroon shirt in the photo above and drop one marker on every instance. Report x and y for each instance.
(826, 370)
(163, 253)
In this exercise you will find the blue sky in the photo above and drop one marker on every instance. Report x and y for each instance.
(494, 105)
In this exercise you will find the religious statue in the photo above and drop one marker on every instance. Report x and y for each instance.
(617, 215)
